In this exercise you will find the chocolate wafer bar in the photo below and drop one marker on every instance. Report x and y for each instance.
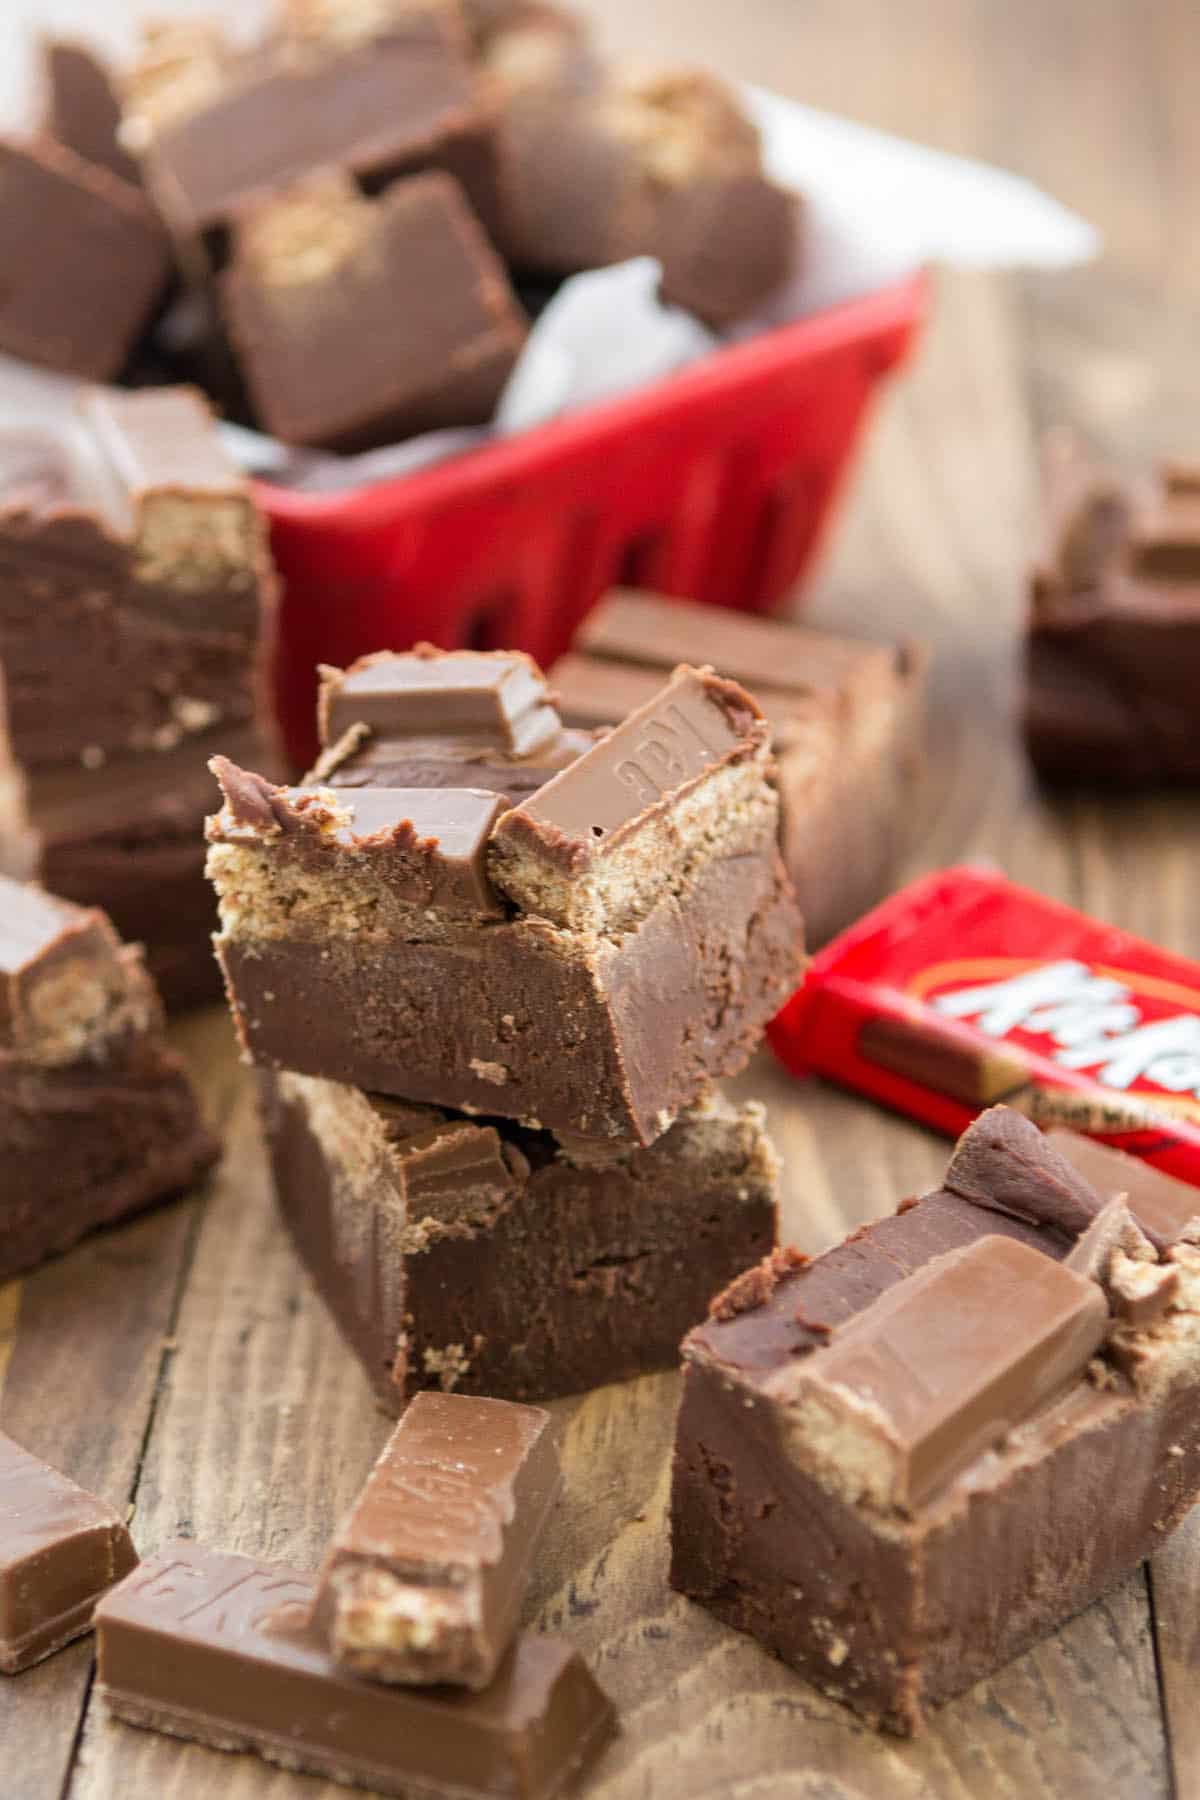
(219, 1649)
(895, 1465)
(60, 1550)
(424, 1579)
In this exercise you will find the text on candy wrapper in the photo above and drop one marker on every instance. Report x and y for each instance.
(1094, 1020)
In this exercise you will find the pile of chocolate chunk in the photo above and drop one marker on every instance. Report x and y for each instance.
(340, 230)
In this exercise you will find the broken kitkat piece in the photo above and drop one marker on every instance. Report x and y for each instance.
(341, 342)
(85, 260)
(219, 1649)
(60, 1550)
(424, 1578)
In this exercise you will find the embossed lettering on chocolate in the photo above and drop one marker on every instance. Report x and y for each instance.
(901, 1464)
(630, 927)
(220, 1649)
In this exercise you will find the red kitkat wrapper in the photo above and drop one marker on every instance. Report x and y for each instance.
(963, 990)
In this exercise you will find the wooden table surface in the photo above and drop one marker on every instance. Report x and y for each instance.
(183, 1365)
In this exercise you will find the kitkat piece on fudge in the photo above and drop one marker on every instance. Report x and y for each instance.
(136, 604)
(896, 1465)
(97, 1116)
(424, 1579)
(85, 260)
(376, 91)
(220, 1649)
(473, 1256)
(358, 322)
(593, 954)
(846, 718)
(1112, 656)
(82, 109)
(61, 1549)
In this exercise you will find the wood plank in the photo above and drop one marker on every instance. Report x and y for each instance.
(84, 1342)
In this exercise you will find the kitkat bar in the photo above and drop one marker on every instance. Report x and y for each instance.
(60, 1549)
(964, 988)
(424, 1579)
(220, 1649)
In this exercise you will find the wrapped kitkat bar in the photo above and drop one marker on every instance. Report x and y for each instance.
(964, 990)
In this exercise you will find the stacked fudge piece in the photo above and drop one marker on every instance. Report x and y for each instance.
(250, 215)
(901, 1464)
(97, 1116)
(136, 597)
(1113, 646)
(846, 719)
(495, 965)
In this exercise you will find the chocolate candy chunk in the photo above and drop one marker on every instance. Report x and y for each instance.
(367, 847)
(390, 92)
(97, 1116)
(340, 346)
(82, 108)
(424, 1579)
(60, 1550)
(884, 1502)
(1113, 646)
(1163, 1207)
(1003, 1163)
(940, 1369)
(845, 718)
(603, 1008)
(474, 1257)
(217, 1648)
(85, 260)
(499, 698)
(1114, 1229)
(591, 848)
(727, 245)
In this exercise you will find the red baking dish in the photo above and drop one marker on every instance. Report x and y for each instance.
(713, 483)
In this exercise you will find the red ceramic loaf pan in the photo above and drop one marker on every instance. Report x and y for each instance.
(713, 483)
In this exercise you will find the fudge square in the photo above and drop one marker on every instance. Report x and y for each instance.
(1112, 655)
(97, 1116)
(85, 260)
(901, 1464)
(136, 599)
(846, 718)
(585, 958)
(358, 322)
(471, 1255)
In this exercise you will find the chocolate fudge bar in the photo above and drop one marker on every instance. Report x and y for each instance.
(469, 1255)
(60, 1550)
(667, 166)
(136, 601)
(424, 1579)
(85, 260)
(896, 1465)
(82, 107)
(219, 1649)
(1112, 659)
(357, 322)
(846, 719)
(584, 959)
(97, 1116)
(374, 91)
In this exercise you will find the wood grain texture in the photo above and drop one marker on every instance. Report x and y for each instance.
(184, 1364)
